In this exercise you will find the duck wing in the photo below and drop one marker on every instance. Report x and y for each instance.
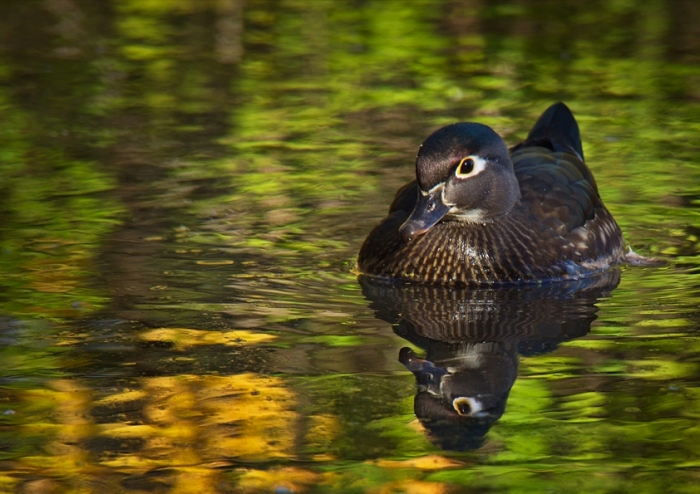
(555, 183)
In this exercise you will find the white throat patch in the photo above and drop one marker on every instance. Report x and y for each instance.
(468, 216)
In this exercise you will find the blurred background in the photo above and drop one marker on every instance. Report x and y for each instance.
(185, 184)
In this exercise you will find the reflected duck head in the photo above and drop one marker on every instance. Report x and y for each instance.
(470, 386)
(464, 173)
(461, 397)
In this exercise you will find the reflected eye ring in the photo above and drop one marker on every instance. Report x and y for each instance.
(462, 406)
(467, 406)
(470, 166)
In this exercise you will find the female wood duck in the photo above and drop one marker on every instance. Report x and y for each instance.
(479, 215)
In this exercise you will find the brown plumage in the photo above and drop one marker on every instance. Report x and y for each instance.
(478, 214)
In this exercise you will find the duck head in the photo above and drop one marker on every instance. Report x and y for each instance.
(464, 173)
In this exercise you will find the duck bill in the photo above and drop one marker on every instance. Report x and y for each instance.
(414, 363)
(428, 211)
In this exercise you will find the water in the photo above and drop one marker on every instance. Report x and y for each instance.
(185, 186)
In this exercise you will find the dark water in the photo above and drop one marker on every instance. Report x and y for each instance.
(185, 185)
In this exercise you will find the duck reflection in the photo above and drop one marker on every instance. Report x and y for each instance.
(472, 339)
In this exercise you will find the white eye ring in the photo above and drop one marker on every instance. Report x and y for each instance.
(467, 406)
(470, 166)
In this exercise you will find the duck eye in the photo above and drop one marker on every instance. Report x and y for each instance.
(466, 167)
(462, 406)
(467, 406)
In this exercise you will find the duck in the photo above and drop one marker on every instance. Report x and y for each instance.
(480, 213)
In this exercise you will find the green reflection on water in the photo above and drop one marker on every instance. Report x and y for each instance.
(54, 215)
(213, 166)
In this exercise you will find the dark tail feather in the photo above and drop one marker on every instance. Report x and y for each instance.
(558, 128)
